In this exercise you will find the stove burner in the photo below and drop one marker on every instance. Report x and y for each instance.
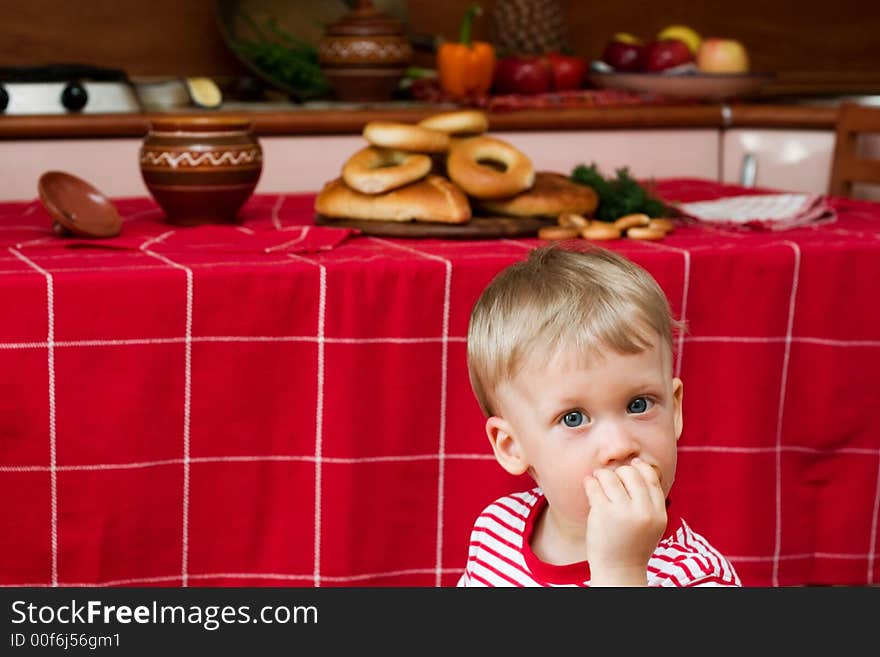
(65, 88)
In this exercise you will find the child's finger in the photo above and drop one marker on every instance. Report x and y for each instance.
(594, 491)
(652, 476)
(612, 485)
(634, 482)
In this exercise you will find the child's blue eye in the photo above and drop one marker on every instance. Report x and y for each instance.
(574, 419)
(638, 405)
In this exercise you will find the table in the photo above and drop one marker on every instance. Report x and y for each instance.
(280, 404)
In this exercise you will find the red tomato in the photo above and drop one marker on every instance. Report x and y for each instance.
(522, 75)
(569, 72)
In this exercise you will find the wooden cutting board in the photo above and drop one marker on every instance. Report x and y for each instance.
(476, 228)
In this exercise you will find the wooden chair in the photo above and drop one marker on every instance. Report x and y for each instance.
(850, 164)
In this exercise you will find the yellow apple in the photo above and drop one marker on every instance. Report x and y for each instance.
(720, 55)
(683, 33)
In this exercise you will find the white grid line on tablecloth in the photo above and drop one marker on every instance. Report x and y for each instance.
(319, 412)
(153, 240)
(846, 232)
(805, 340)
(187, 398)
(53, 475)
(139, 213)
(335, 460)
(404, 458)
(34, 242)
(783, 384)
(303, 231)
(872, 550)
(58, 344)
(523, 245)
(94, 256)
(444, 363)
(874, 520)
(30, 207)
(843, 556)
(283, 576)
(685, 289)
(276, 208)
(785, 448)
(225, 338)
(222, 264)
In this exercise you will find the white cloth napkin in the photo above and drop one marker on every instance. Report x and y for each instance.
(761, 211)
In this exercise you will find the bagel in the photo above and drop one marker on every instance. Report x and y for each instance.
(557, 233)
(432, 198)
(600, 230)
(375, 170)
(439, 159)
(573, 220)
(405, 137)
(551, 195)
(663, 223)
(645, 233)
(459, 122)
(482, 181)
(631, 220)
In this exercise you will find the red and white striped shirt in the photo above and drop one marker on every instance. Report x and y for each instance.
(500, 554)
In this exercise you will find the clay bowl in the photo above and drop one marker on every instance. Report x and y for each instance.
(77, 207)
(201, 169)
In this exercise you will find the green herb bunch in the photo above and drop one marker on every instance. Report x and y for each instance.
(619, 195)
(290, 62)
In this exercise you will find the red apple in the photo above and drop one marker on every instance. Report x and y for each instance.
(522, 75)
(664, 54)
(717, 55)
(623, 55)
(569, 71)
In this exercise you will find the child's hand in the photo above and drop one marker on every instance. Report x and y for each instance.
(627, 518)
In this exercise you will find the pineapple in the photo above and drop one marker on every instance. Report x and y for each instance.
(528, 27)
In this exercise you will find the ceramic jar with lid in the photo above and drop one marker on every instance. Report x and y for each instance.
(201, 169)
(364, 54)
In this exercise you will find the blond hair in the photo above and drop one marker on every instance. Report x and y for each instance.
(589, 298)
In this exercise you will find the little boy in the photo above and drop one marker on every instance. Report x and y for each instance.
(570, 358)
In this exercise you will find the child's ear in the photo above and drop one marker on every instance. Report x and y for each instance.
(506, 446)
(678, 417)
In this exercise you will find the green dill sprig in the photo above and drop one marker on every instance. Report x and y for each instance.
(289, 61)
(619, 195)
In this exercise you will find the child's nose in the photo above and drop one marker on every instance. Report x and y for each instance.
(617, 445)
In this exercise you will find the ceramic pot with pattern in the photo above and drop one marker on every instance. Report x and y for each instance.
(364, 55)
(201, 169)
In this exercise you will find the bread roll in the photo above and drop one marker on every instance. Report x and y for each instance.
(433, 199)
(551, 195)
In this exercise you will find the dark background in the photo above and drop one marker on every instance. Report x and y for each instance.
(814, 46)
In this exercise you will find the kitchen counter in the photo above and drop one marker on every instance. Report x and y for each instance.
(330, 121)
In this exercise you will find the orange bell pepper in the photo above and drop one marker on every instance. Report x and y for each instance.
(465, 68)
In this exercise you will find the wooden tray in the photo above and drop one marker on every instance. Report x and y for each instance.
(476, 228)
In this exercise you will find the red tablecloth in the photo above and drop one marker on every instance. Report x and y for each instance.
(279, 405)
